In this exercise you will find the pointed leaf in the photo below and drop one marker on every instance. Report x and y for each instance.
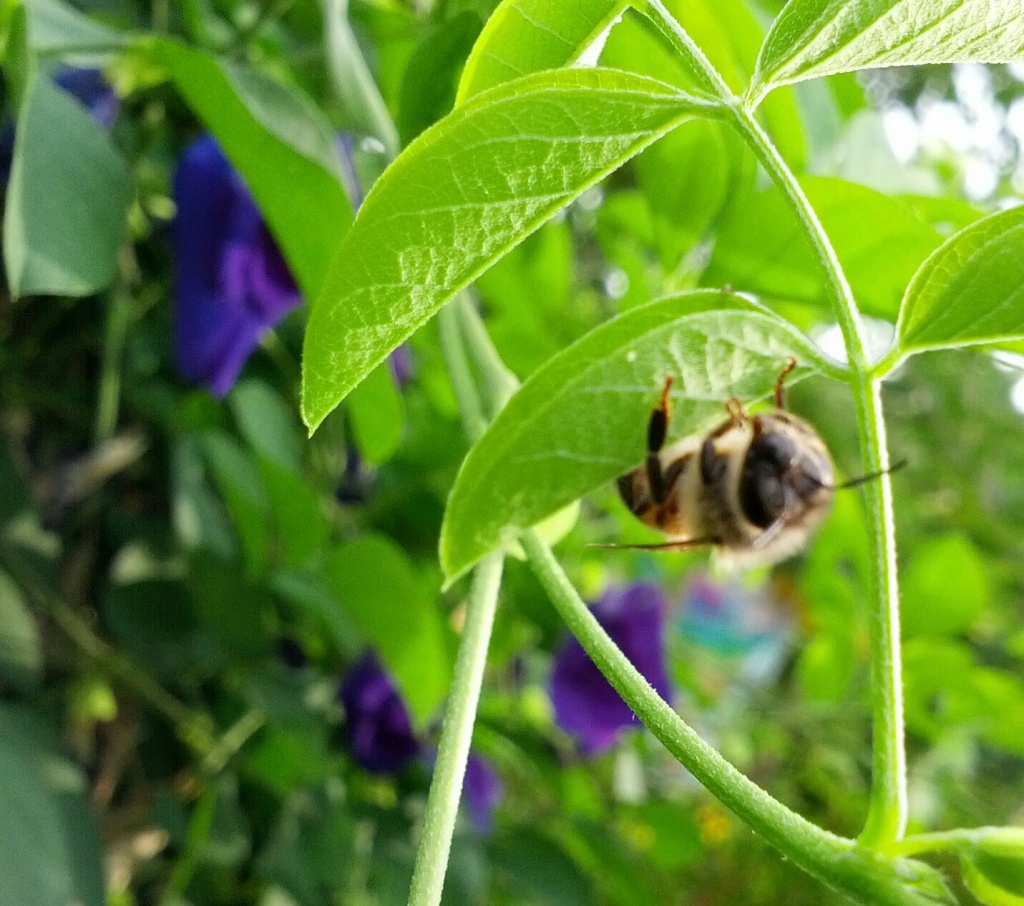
(55, 27)
(281, 145)
(49, 846)
(67, 199)
(760, 247)
(21, 650)
(971, 290)
(376, 584)
(813, 38)
(525, 36)
(460, 197)
(581, 419)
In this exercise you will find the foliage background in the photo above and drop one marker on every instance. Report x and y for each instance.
(161, 548)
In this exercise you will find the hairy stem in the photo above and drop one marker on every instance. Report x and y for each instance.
(887, 811)
(449, 325)
(446, 786)
(862, 874)
(457, 732)
(996, 841)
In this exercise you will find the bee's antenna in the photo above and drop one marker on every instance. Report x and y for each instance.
(687, 545)
(864, 479)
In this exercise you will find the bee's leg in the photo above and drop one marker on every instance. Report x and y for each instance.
(790, 365)
(657, 431)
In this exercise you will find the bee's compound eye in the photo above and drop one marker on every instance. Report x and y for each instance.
(762, 488)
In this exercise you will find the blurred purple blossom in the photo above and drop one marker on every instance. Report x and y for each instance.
(586, 706)
(232, 283)
(482, 791)
(378, 727)
(378, 730)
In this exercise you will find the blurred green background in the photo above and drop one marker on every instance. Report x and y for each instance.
(185, 581)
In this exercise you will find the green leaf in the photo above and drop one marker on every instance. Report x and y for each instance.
(432, 75)
(267, 422)
(21, 654)
(460, 197)
(239, 483)
(375, 407)
(49, 847)
(66, 201)
(813, 38)
(538, 869)
(581, 419)
(282, 146)
(996, 880)
(299, 521)
(761, 248)
(945, 589)
(971, 290)
(57, 28)
(525, 36)
(375, 582)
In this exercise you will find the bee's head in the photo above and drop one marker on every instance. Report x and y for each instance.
(786, 473)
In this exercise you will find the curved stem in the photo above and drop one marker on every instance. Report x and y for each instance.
(858, 872)
(446, 786)
(887, 811)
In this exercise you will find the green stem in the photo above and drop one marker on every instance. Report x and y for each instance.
(498, 382)
(887, 811)
(457, 732)
(358, 91)
(108, 401)
(860, 873)
(997, 841)
(353, 81)
(456, 735)
(459, 373)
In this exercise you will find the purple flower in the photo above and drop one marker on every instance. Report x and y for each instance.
(377, 723)
(482, 792)
(586, 706)
(232, 282)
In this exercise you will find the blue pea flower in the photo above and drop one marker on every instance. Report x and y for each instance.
(378, 727)
(482, 792)
(586, 706)
(378, 731)
(232, 283)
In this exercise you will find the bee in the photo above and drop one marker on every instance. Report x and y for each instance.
(754, 487)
